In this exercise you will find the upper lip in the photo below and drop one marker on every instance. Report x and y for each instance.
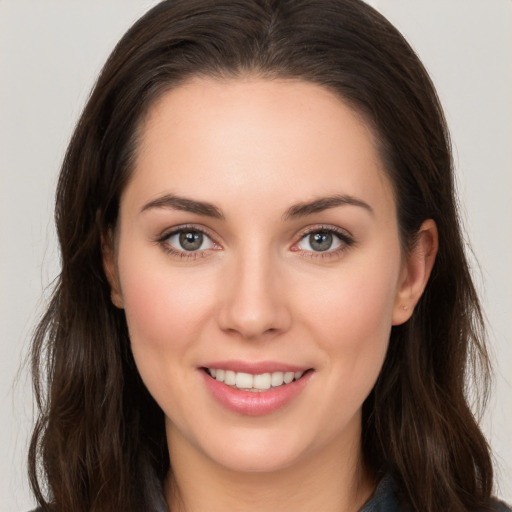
(255, 367)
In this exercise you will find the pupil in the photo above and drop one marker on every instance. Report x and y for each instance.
(321, 241)
(191, 240)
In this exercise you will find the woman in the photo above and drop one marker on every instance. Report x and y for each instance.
(264, 301)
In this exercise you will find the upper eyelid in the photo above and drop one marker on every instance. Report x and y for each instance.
(345, 237)
(166, 233)
(325, 227)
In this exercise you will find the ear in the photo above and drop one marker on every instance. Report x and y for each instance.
(416, 272)
(110, 267)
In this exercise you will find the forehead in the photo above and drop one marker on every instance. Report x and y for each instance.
(259, 138)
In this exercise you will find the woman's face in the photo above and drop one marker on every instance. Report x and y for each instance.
(258, 236)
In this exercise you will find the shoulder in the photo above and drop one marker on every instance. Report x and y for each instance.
(500, 506)
(384, 498)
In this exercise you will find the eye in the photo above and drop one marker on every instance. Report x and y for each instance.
(323, 240)
(188, 240)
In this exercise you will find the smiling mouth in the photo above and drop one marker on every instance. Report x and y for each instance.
(253, 383)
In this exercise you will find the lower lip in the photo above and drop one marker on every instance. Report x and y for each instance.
(255, 403)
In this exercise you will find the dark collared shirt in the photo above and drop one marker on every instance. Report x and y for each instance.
(383, 500)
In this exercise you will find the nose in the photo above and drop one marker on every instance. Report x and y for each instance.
(253, 302)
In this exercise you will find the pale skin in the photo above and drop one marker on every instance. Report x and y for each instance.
(260, 288)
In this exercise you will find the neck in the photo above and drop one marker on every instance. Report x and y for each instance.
(332, 481)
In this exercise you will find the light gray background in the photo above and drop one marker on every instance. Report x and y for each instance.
(50, 54)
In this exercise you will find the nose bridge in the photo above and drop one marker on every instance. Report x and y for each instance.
(254, 302)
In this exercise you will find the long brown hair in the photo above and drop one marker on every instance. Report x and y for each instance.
(99, 443)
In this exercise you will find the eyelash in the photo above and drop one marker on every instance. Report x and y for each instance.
(346, 242)
(345, 238)
(163, 241)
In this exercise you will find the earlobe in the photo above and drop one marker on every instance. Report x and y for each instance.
(110, 269)
(416, 271)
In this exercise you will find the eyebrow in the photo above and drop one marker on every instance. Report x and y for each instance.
(184, 204)
(295, 211)
(324, 203)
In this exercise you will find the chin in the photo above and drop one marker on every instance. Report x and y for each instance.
(258, 451)
(256, 461)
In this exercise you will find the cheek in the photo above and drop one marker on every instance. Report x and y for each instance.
(165, 308)
(352, 316)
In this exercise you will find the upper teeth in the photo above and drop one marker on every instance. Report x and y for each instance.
(247, 381)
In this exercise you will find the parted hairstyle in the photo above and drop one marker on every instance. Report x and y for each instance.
(99, 443)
